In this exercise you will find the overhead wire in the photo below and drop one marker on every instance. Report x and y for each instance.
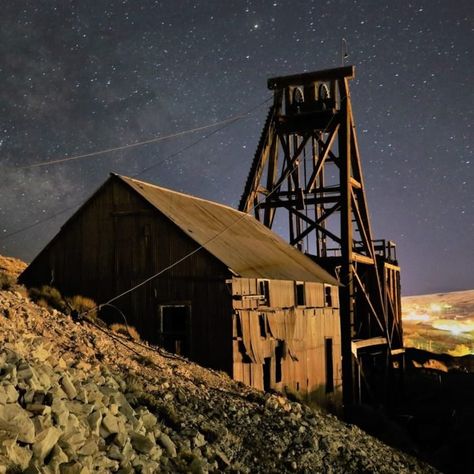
(133, 145)
(224, 123)
(41, 221)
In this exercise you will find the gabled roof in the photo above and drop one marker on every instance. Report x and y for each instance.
(244, 245)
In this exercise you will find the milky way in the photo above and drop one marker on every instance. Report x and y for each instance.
(78, 77)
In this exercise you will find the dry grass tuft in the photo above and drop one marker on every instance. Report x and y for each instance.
(82, 305)
(125, 330)
(7, 281)
(49, 297)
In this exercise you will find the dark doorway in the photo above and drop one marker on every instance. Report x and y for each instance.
(329, 366)
(278, 358)
(175, 329)
(267, 366)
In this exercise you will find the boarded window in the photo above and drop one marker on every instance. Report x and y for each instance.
(175, 329)
(300, 295)
(329, 366)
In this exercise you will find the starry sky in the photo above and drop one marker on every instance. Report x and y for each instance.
(83, 76)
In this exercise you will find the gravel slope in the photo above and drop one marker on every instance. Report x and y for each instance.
(75, 400)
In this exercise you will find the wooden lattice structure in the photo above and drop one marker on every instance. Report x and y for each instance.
(306, 180)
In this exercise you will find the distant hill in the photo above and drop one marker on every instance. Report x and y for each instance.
(440, 323)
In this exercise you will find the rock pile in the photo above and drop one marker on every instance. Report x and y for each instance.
(75, 400)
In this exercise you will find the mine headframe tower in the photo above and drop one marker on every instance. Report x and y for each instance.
(306, 180)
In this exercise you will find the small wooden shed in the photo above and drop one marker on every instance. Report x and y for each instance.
(246, 302)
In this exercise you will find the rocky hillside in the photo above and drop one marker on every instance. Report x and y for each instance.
(77, 398)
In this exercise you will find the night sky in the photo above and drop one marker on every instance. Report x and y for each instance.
(79, 77)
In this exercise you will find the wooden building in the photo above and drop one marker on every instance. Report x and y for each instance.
(241, 299)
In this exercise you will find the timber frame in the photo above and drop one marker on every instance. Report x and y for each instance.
(307, 164)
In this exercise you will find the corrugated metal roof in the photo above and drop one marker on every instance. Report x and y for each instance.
(237, 239)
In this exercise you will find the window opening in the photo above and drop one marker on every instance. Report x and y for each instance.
(300, 296)
(267, 364)
(328, 295)
(264, 291)
(238, 326)
(278, 358)
(175, 329)
(263, 325)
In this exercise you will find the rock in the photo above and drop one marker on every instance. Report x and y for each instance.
(37, 409)
(114, 453)
(73, 440)
(58, 457)
(8, 393)
(198, 466)
(68, 387)
(149, 420)
(109, 426)
(199, 440)
(142, 443)
(222, 458)
(168, 444)
(89, 448)
(17, 455)
(59, 411)
(16, 420)
(73, 467)
(45, 442)
(95, 420)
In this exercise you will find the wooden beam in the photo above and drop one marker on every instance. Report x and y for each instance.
(390, 266)
(357, 257)
(322, 158)
(308, 77)
(363, 343)
(355, 183)
(367, 299)
(395, 352)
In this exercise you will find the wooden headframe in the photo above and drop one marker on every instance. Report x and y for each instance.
(307, 177)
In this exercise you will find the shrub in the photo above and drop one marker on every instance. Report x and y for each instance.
(7, 281)
(82, 304)
(49, 296)
(125, 330)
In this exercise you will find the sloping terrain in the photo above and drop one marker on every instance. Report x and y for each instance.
(77, 398)
(440, 323)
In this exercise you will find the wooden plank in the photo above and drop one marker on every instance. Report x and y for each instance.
(357, 257)
(356, 345)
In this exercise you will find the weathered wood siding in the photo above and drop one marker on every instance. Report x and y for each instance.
(116, 241)
(275, 331)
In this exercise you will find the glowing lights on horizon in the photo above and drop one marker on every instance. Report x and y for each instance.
(454, 327)
(414, 316)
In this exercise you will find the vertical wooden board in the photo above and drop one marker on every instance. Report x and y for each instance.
(257, 376)
(273, 294)
(247, 286)
(315, 294)
(253, 286)
(335, 296)
(290, 299)
(236, 286)
(237, 373)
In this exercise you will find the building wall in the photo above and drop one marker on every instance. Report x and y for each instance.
(116, 241)
(282, 344)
